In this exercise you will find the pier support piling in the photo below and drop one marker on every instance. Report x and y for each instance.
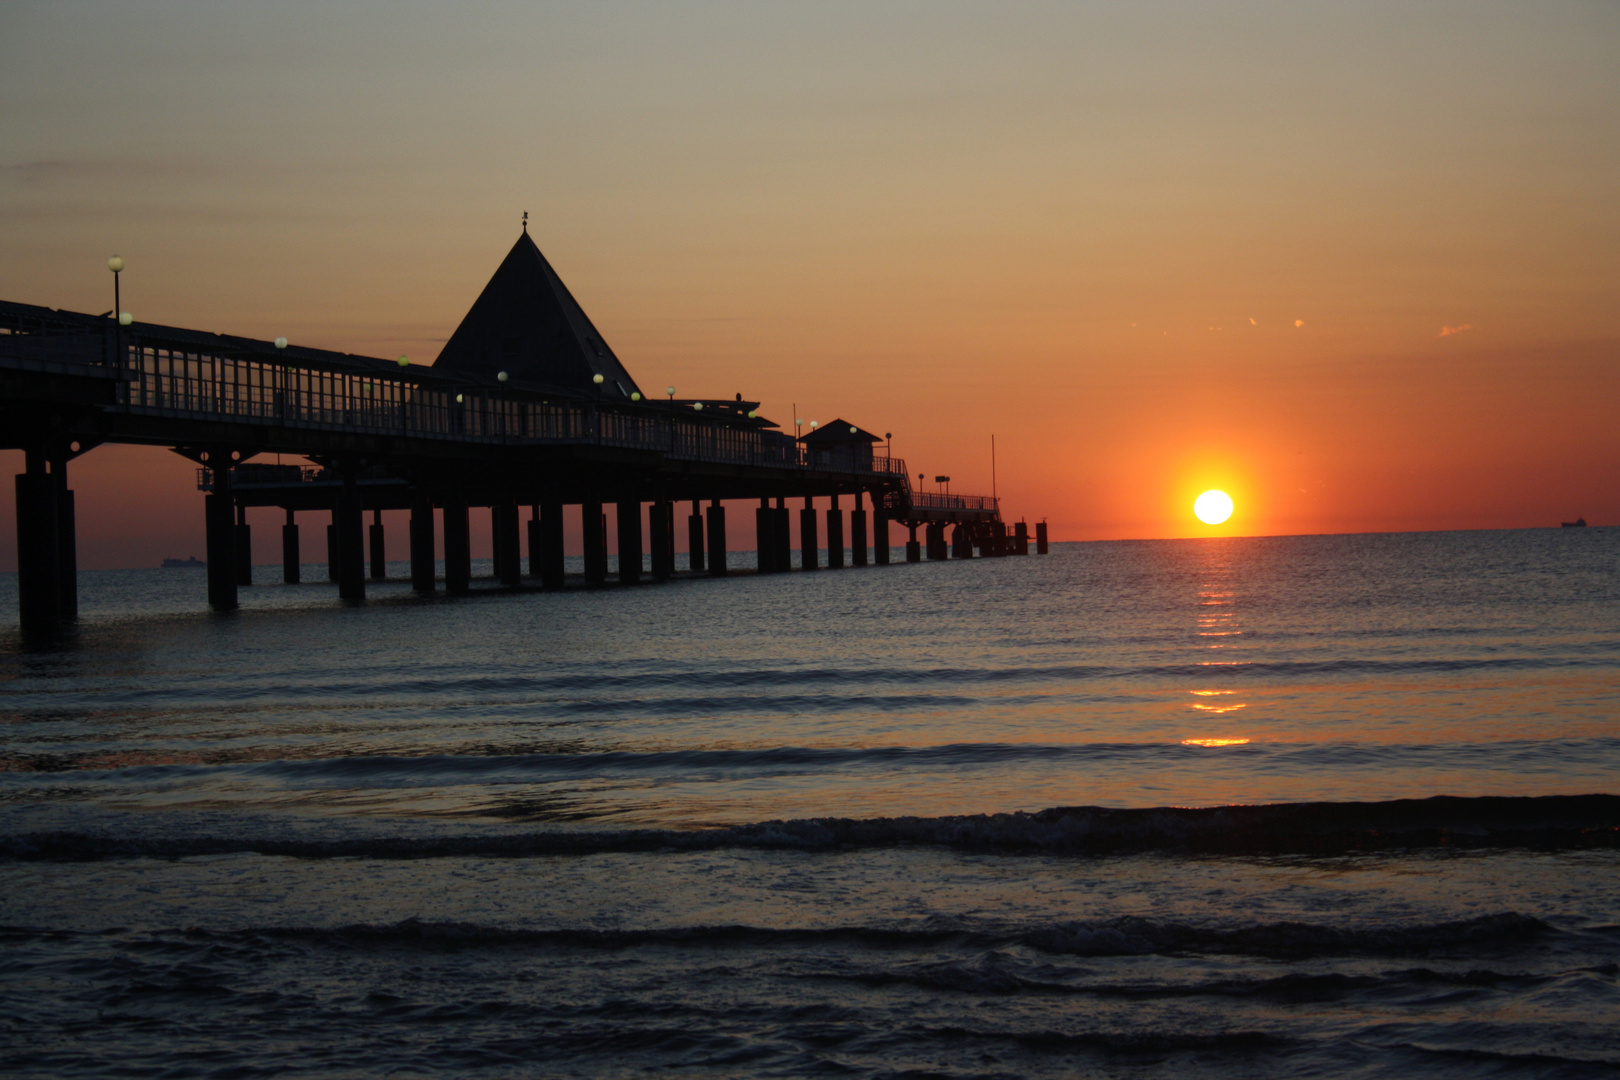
(67, 544)
(765, 536)
(332, 548)
(38, 550)
(694, 537)
(857, 531)
(423, 570)
(660, 522)
(913, 549)
(244, 547)
(595, 529)
(379, 550)
(1021, 539)
(629, 523)
(1040, 538)
(880, 537)
(935, 534)
(962, 541)
(782, 535)
(552, 565)
(809, 541)
(219, 521)
(532, 535)
(503, 520)
(717, 539)
(351, 540)
(291, 568)
(835, 536)
(457, 547)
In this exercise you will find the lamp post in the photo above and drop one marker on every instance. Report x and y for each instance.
(670, 390)
(116, 265)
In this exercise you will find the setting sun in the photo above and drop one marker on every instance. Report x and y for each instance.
(1213, 507)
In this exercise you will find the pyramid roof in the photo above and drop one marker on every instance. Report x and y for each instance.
(527, 324)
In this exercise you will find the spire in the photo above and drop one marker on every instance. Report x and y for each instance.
(527, 324)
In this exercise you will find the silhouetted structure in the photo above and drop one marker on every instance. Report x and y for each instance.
(526, 405)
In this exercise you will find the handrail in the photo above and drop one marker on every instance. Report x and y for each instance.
(168, 379)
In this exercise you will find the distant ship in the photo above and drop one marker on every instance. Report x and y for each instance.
(1578, 523)
(181, 564)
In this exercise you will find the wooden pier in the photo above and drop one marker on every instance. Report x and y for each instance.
(526, 407)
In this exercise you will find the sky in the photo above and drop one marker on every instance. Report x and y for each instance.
(1357, 265)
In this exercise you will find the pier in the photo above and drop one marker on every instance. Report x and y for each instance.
(525, 411)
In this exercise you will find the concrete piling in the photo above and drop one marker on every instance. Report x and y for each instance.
(717, 539)
(809, 542)
(378, 549)
(629, 515)
(694, 537)
(457, 547)
(424, 572)
(835, 536)
(291, 567)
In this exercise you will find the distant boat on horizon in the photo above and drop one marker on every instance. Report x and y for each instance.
(1578, 523)
(173, 564)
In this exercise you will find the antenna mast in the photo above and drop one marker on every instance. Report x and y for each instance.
(993, 472)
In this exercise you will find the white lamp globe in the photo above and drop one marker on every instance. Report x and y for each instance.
(697, 406)
(635, 395)
(458, 399)
(281, 343)
(852, 429)
(125, 318)
(115, 264)
(501, 376)
(404, 361)
(752, 414)
(597, 379)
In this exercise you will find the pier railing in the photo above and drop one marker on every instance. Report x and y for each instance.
(248, 382)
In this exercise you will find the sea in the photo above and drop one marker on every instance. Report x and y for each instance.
(1329, 806)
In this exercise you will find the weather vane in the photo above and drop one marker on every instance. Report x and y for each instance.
(525, 221)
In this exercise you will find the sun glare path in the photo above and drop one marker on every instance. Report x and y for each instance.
(1213, 507)
(1213, 742)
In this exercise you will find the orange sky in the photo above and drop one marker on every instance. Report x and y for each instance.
(1152, 250)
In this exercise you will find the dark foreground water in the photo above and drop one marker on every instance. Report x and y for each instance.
(1327, 806)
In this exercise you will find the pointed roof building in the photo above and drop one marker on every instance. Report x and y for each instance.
(527, 324)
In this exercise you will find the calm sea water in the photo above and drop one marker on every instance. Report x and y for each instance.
(1157, 808)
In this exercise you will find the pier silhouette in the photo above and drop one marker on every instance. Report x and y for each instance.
(526, 406)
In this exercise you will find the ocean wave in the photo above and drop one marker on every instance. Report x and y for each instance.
(416, 770)
(415, 684)
(1117, 937)
(1549, 822)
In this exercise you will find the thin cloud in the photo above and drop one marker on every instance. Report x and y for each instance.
(1447, 331)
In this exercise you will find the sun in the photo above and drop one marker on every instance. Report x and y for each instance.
(1213, 507)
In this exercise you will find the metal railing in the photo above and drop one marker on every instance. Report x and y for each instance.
(163, 378)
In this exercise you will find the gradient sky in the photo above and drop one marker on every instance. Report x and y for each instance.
(1358, 265)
